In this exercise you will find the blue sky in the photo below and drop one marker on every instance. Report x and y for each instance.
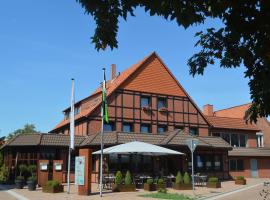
(44, 45)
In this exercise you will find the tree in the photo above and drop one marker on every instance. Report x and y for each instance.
(28, 128)
(244, 38)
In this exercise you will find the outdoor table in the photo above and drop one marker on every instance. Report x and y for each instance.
(109, 181)
(169, 179)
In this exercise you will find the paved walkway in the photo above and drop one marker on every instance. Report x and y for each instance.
(201, 192)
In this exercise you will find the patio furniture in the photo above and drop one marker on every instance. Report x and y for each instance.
(169, 180)
(200, 180)
(108, 181)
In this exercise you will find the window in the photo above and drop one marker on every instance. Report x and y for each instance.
(217, 163)
(162, 102)
(193, 131)
(179, 127)
(127, 127)
(259, 140)
(234, 140)
(200, 162)
(226, 137)
(242, 140)
(77, 110)
(216, 134)
(145, 128)
(236, 165)
(109, 127)
(67, 113)
(145, 101)
(161, 128)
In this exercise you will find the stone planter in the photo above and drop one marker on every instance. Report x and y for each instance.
(50, 189)
(149, 187)
(240, 182)
(182, 186)
(213, 184)
(32, 185)
(19, 184)
(123, 188)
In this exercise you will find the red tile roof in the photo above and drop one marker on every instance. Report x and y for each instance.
(231, 123)
(234, 112)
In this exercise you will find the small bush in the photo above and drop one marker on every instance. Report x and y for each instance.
(128, 180)
(179, 178)
(20, 178)
(213, 180)
(3, 174)
(52, 183)
(118, 178)
(150, 181)
(240, 178)
(186, 178)
(32, 169)
(160, 181)
(32, 178)
(22, 168)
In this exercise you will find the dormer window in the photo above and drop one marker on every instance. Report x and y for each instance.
(77, 110)
(67, 114)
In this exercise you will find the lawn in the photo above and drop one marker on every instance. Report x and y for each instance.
(171, 196)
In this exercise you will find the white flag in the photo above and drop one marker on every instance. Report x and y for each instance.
(72, 117)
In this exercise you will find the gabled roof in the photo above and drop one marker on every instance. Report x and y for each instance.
(231, 123)
(234, 112)
(112, 85)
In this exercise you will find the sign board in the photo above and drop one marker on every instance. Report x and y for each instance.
(43, 166)
(58, 166)
(79, 170)
(192, 143)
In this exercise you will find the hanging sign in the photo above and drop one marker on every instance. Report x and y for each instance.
(79, 170)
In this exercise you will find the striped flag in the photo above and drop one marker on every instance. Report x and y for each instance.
(104, 113)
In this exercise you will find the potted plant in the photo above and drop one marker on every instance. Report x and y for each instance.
(240, 180)
(129, 186)
(149, 185)
(117, 182)
(52, 187)
(160, 184)
(19, 181)
(32, 180)
(186, 182)
(178, 181)
(213, 182)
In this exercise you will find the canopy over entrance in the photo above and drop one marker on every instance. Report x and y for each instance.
(139, 148)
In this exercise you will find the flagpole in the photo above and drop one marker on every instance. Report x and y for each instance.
(101, 142)
(71, 133)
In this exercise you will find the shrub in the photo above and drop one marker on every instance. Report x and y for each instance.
(32, 178)
(128, 180)
(118, 178)
(179, 178)
(22, 169)
(32, 169)
(186, 178)
(3, 174)
(150, 181)
(52, 183)
(160, 181)
(213, 180)
(20, 178)
(240, 178)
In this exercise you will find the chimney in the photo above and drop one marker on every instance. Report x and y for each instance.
(113, 71)
(208, 110)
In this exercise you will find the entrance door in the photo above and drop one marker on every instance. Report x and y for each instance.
(254, 168)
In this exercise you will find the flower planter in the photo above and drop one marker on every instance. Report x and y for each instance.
(163, 109)
(213, 184)
(181, 186)
(32, 185)
(19, 184)
(123, 188)
(146, 108)
(149, 187)
(240, 182)
(50, 189)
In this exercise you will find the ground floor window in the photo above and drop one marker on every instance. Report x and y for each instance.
(236, 165)
(206, 162)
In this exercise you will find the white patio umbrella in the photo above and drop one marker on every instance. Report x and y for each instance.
(139, 148)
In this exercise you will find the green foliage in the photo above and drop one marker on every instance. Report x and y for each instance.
(32, 178)
(128, 179)
(213, 179)
(52, 183)
(162, 190)
(160, 181)
(21, 178)
(186, 178)
(118, 178)
(240, 178)
(3, 174)
(150, 181)
(236, 42)
(179, 178)
(28, 128)
(1, 159)
(22, 168)
(159, 195)
(32, 169)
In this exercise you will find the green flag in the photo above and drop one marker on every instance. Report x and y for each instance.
(105, 114)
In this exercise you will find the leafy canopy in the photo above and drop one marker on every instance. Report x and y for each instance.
(28, 128)
(244, 38)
